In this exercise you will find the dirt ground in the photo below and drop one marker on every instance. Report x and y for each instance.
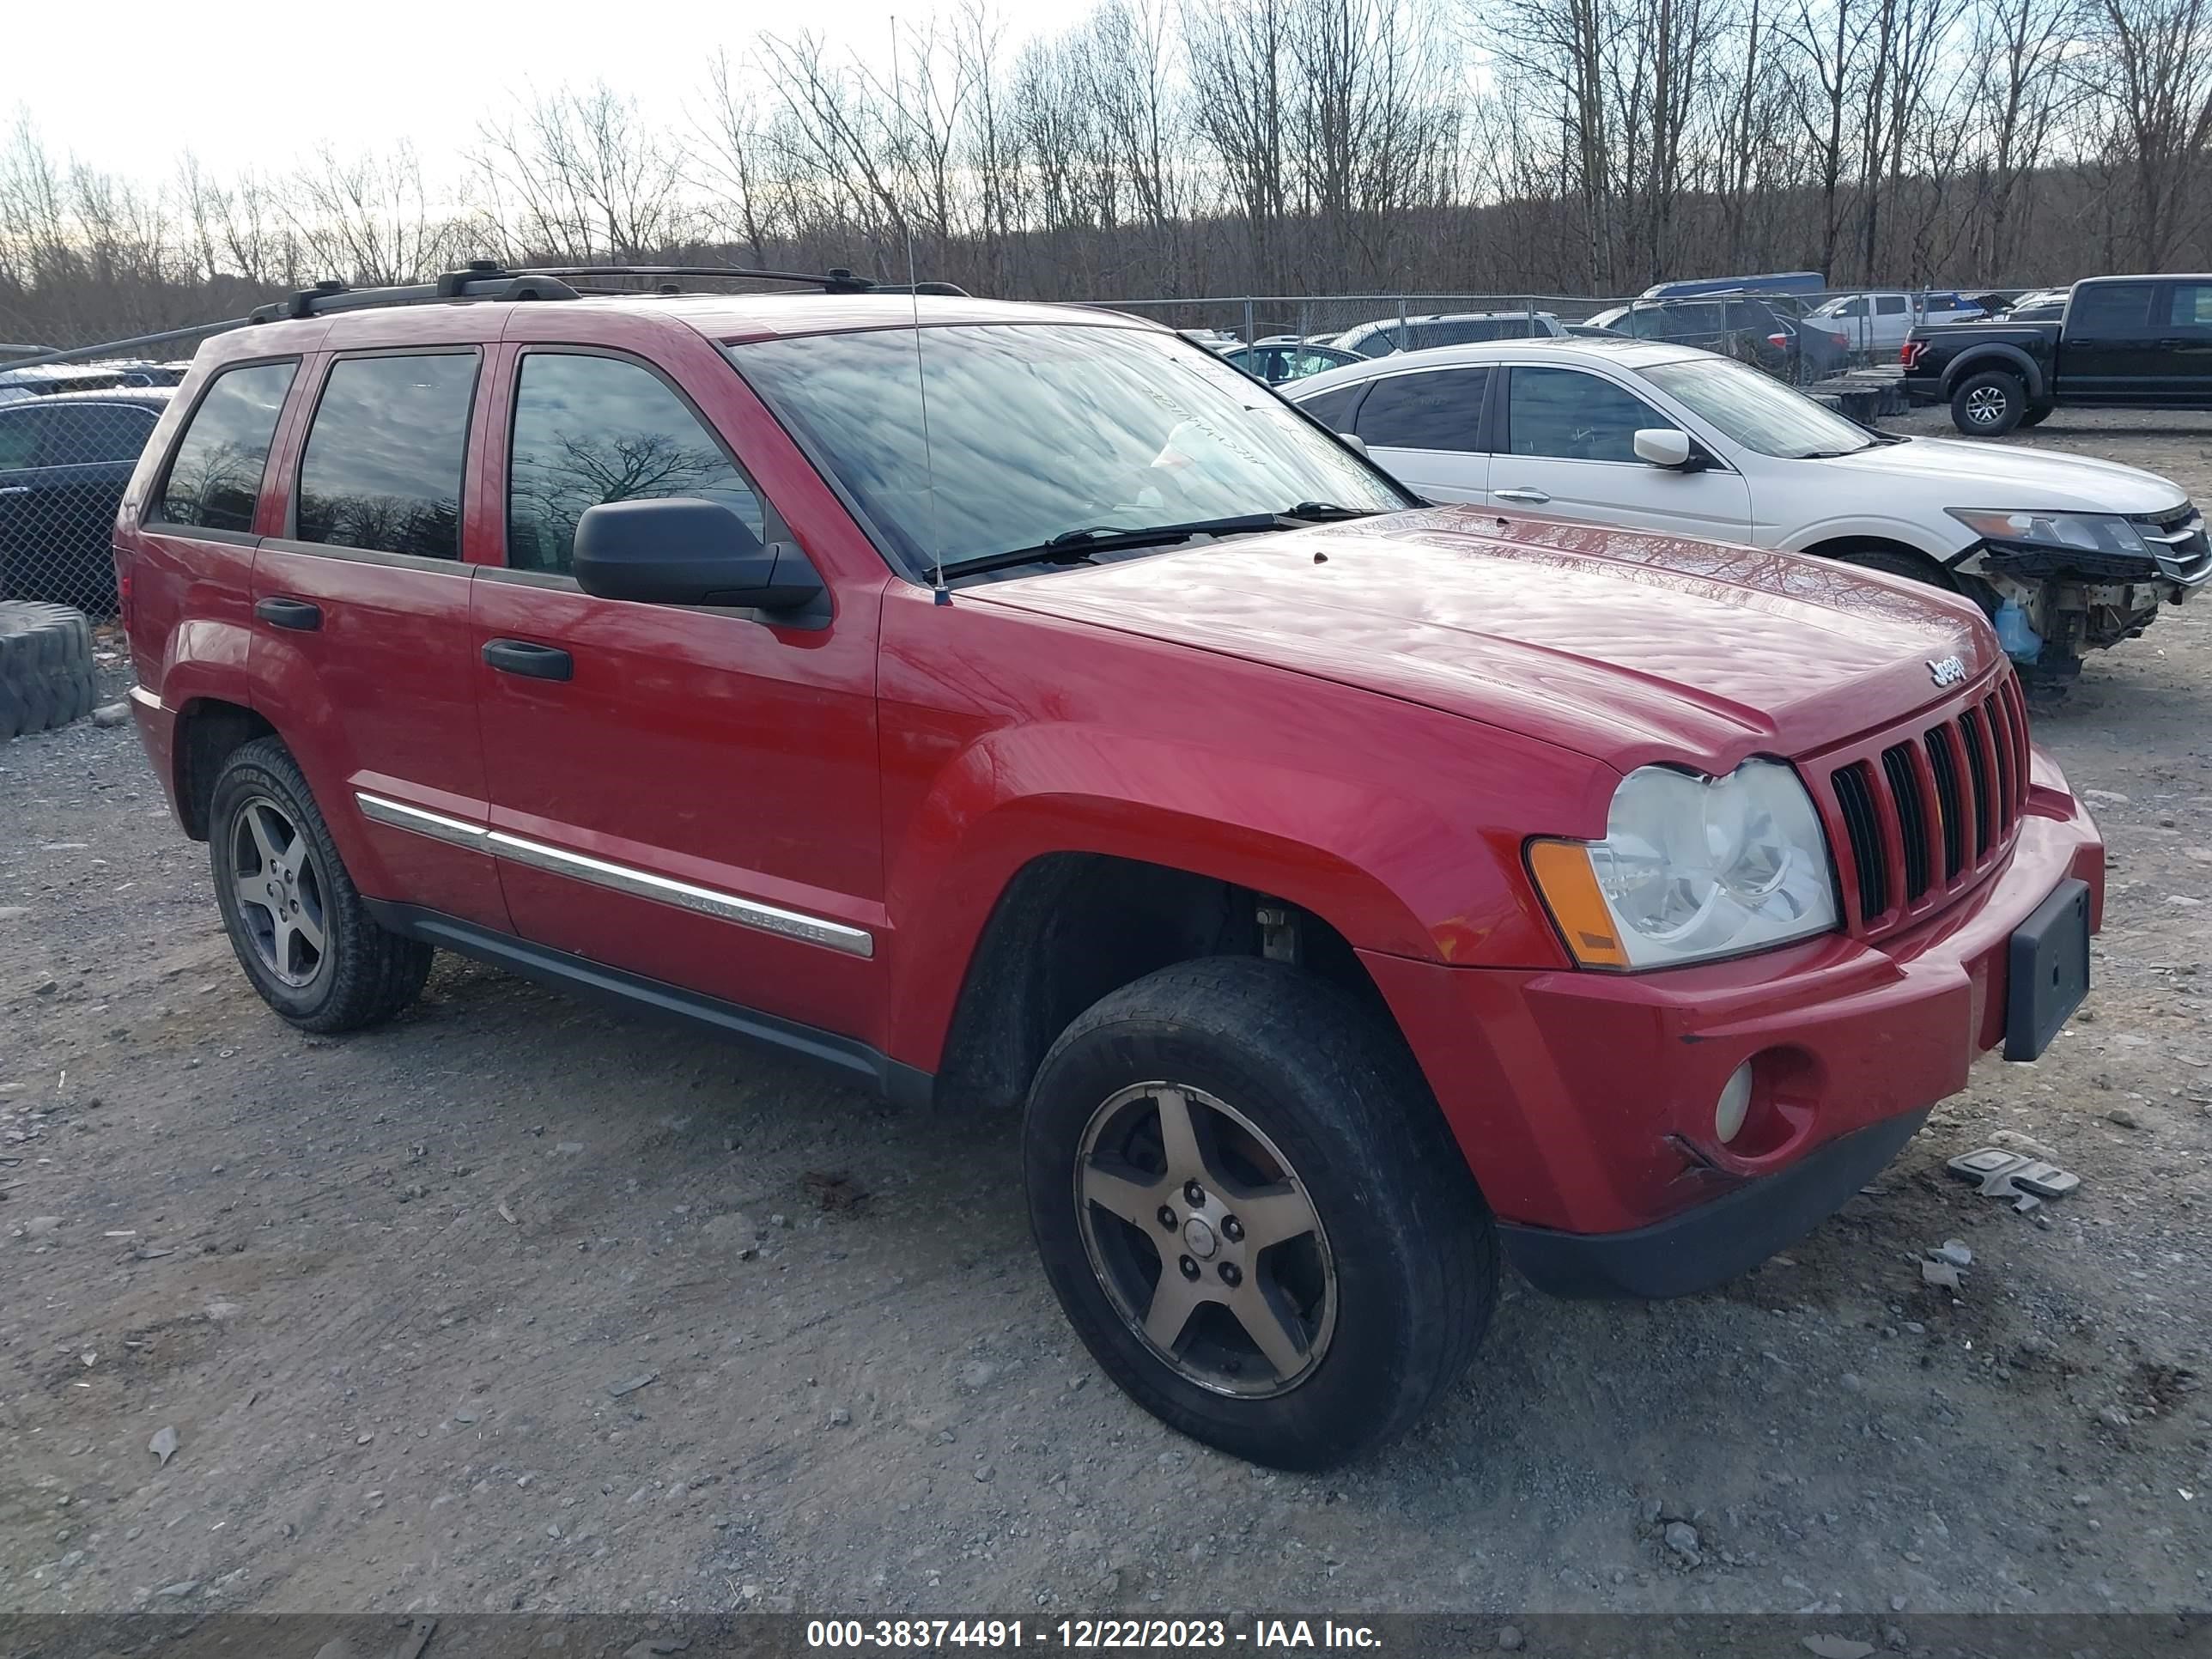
(521, 1304)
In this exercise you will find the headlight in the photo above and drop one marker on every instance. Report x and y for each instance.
(2079, 532)
(1692, 868)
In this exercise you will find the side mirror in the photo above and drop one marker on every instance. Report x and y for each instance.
(682, 550)
(1355, 440)
(1664, 445)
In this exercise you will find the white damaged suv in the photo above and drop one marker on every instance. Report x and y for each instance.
(2067, 553)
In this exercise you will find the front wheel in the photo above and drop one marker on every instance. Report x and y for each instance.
(2037, 414)
(1988, 405)
(296, 924)
(1250, 1209)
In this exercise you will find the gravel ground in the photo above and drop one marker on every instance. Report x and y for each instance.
(520, 1305)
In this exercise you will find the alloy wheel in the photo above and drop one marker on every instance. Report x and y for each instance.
(278, 888)
(1205, 1240)
(1985, 406)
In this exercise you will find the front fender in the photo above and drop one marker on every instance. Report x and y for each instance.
(1388, 869)
(1858, 526)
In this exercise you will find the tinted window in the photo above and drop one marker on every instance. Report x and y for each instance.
(383, 465)
(1438, 411)
(19, 438)
(2108, 311)
(1749, 313)
(80, 434)
(1333, 408)
(594, 429)
(2191, 306)
(1574, 416)
(1889, 305)
(216, 473)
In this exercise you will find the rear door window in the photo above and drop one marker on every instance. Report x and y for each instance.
(2191, 306)
(1890, 304)
(19, 438)
(1440, 409)
(215, 476)
(2109, 311)
(590, 429)
(382, 470)
(85, 435)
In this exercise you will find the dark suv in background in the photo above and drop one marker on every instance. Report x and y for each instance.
(64, 461)
(1736, 326)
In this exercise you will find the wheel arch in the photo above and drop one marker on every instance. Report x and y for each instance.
(208, 731)
(1997, 354)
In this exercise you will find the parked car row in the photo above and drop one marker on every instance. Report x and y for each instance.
(2064, 553)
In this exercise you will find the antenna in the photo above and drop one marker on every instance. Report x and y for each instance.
(928, 458)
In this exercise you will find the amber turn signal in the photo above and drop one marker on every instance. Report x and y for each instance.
(1569, 886)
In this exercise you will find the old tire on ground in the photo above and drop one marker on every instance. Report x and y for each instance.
(46, 667)
(2037, 414)
(296, 921)
(1253, 1212)
(1988, 405)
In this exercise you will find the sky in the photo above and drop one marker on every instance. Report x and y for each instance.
(241, 85)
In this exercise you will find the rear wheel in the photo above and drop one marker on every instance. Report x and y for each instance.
(1250, 1209)
(1988, 405)
(296, 923)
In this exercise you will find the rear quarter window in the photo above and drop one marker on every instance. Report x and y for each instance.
(214, 476)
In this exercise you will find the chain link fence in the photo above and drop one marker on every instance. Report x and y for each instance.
(70, 436)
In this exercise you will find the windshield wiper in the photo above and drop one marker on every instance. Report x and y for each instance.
(1073, 546)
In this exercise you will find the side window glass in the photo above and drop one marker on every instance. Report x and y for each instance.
(594, 429)
(1890, 304)
(1333, 408)
(19, 438)
(1570, 415)
(85, 434)
(2109, 311)
(2191, 306)
(1439, 410)
(1853, 308)
(216, 473)
(383, 465)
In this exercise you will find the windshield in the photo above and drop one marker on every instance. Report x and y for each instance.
(1038, 430)
(1757, 410)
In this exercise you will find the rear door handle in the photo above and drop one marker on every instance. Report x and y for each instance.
(16, 490)
(289, 613)
(1528, 497)
(539, 662)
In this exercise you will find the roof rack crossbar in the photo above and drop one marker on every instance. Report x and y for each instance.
(481, 279)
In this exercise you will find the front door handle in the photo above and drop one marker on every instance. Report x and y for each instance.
(539, 662)
(16, 490)
(289, 613)
(1527, 497)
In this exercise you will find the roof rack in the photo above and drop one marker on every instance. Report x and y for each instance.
(486, 279)
(481, 279)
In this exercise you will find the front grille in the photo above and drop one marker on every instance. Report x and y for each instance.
(2177, 540)
(1920, 817)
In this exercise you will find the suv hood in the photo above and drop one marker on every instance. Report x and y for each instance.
(1625, 646)
(2002, 476)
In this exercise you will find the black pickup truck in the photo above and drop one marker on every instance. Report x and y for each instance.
(2125, 342)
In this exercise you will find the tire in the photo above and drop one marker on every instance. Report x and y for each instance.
(1988, 405)
(339, 972)
(46, 667)
(1385, 1254)
(2037, 414)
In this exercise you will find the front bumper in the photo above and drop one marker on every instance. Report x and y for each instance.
(1584, 1102)
(1714, 1241)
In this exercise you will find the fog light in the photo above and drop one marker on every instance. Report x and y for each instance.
(1734, 1103)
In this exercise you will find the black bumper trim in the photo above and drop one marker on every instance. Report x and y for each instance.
(1716, 1240)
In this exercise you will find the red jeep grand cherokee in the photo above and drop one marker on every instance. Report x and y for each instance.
(1008, 702)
